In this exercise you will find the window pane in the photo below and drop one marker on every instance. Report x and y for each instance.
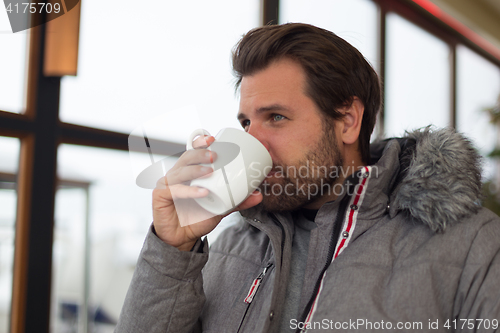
(68, 258)
(9, 156)
(353, 20)
(12, 66)
(156, 59)
(417, 78)
(478, 88)
(119, 217)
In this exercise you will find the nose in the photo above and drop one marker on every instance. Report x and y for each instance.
(259, 133)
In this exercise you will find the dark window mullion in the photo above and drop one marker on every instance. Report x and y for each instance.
(15, 124)
(381, 52)
(453, 84)
(270, 11)
(94, 137)
(30, 310)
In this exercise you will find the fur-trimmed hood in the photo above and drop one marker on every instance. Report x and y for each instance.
(439, 179)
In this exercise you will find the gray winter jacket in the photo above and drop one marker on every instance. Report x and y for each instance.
(406, 247)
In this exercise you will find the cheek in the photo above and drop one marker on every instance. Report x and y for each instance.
(280, 150)
(308, 140)
(288, 151)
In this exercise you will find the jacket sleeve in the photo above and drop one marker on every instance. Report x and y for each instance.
(479, 294)
(166, 292)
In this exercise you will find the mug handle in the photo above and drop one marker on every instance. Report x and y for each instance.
(196, 132)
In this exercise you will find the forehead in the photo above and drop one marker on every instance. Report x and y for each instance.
(283, 81)
(284, 73)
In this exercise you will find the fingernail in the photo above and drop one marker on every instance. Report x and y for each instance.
(209, 155)
(205, 169)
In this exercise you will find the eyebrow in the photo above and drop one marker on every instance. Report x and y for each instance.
(264, 109)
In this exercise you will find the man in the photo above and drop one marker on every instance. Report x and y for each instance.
(394, 239)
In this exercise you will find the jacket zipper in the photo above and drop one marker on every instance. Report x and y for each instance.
(252, 291)
(331, 249)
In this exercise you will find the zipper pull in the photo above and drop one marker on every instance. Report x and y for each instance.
(255, 285)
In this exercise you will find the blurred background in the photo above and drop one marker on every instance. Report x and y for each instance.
(73, 220)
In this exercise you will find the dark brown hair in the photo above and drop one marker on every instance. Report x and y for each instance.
(335, 70)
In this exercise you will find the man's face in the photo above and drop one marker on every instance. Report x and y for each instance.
(301, 141)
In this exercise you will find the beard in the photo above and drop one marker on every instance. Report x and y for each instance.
(294, 186)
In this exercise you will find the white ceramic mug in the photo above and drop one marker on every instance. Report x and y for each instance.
(241, 165)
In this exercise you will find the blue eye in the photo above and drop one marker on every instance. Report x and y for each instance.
(245, 123)
(278, 117)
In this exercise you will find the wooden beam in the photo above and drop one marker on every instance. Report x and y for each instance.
(61, 50)
(21, 243)
(30, 309)
(87, 136)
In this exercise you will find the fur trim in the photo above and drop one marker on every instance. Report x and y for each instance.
(442, 184)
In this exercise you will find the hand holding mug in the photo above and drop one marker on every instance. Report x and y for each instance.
(241, 166)
(178, 219)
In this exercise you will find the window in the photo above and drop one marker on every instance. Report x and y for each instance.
(417, 78)
(9, 156)
(156, 60)
(13, 66)
(118, 214)
(359, 30)
(478, 82)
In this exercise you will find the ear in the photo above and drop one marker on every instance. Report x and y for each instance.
(351, 123)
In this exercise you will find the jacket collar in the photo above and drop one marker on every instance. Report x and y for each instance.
(433, 176)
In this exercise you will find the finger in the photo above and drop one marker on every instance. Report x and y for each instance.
(181, 191)
(193, 172)
(203, 142)
(195, 156)
(187, 173)
(161, 184)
